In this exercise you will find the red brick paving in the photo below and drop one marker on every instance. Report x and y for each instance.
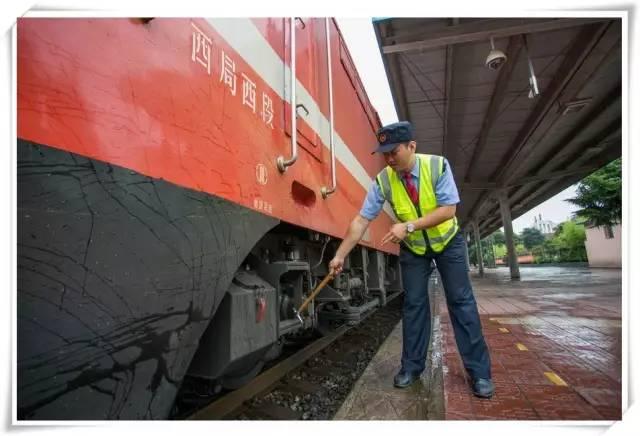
(571, 327)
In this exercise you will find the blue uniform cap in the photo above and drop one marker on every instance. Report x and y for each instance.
(391, 135)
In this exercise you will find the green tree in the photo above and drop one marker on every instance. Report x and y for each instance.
(517, 240)
(569, 244)
(545, 253)
(500, 250)
(498, 237)
(488, 256)
(521, 250)
(557, 230)
(532, 237)
(599, 196)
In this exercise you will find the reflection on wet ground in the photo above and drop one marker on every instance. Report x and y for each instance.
(555, 343)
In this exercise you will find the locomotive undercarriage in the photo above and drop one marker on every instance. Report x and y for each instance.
(259, 313)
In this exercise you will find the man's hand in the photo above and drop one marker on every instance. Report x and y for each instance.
(396, 234)
(356, 229)
(335, 266)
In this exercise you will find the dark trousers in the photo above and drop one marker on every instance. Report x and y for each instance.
(463, 311)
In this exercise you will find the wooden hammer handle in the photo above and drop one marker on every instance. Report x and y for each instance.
(318, 288)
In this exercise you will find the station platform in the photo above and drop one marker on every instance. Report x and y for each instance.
(555, 344)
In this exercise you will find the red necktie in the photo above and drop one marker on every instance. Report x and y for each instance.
(411, 188)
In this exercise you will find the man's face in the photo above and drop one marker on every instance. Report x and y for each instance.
(400, 158)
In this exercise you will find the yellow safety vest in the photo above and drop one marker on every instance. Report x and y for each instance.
(396, 194)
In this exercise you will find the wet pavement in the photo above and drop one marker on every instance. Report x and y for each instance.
(375, 397)
(555, 344)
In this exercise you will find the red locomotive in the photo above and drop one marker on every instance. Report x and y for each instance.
(181, 186)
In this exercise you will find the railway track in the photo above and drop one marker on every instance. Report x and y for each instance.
(313, 382)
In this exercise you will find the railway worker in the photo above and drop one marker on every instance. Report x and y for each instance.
(422, 193)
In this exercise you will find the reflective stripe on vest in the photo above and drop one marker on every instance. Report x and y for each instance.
(394, 191)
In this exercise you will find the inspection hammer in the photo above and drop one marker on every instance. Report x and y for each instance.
(311, 296)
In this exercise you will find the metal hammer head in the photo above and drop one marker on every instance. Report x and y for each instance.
(298, 316)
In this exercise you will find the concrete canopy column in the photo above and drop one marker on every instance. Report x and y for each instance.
(476, 237)
(505, 211)
(466, 251)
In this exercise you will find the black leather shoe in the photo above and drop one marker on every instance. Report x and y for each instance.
(483, 388)
(404, 379)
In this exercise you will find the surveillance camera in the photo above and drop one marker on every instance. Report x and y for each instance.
(495, 59)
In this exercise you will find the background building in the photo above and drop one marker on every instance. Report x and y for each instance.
(604, 246)
(545, 226)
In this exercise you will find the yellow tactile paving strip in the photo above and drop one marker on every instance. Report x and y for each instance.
(555, 378)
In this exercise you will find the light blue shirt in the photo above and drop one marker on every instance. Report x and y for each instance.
(446, 192)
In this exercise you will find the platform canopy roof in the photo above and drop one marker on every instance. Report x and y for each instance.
(496, 136)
